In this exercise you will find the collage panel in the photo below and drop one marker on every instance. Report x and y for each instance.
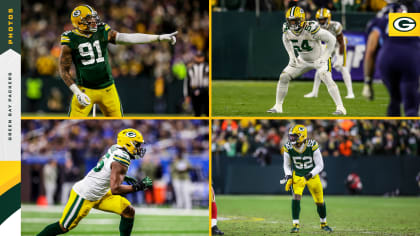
(315, 58)
(115, 58)
(350, 177)
(155, 171)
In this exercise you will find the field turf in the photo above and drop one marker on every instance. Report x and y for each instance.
(254, 98)
(148, 221)
(271, 215)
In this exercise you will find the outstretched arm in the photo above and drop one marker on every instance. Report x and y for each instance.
(137, 38)
(65, 65)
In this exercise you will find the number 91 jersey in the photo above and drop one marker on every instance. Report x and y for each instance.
(97, 182)
(307, 43)
(302, 161)
(90, 57)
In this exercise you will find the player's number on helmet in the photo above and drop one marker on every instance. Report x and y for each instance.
(86, 50)
(303, 162)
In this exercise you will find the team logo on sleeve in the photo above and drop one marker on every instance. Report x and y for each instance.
(404, 24)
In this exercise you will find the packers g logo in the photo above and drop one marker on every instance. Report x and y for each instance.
(301, 129)
(404, 24)
(76, 13)
(130, 134)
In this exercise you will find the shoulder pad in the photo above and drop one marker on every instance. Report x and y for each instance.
(313, 144)
(121, 156)
(337, 27)
(65, 37)
(285, 27)
(287, 147)
(312, 26)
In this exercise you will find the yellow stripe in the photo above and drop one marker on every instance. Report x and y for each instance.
(344, 56)
(65, 39)
(9, 175)
(107, 27)
(316, 30)
(329, 64)
(123, 160)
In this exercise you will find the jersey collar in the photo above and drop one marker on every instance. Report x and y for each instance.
(76, 31)
(302, 149)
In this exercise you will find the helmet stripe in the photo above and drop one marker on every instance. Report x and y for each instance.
(91, 10)
(292, 11)
(322, 12)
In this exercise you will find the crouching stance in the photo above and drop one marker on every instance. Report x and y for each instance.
(304, 156)
(102, 187)
(302, 40)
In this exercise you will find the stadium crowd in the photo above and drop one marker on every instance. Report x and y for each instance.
(348, 138)
(44, 21)
(58, 151)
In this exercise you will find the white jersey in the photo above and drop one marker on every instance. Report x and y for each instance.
(97, 182)
(335, 28)
(307, 44)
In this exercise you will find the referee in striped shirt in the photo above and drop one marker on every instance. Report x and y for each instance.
(196, 85)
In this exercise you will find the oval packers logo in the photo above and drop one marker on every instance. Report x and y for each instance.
(404, 24)
(131, 134)
(76, 13)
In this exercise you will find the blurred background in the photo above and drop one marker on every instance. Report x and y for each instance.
(369, 157)
(149, 77)
(58, 153)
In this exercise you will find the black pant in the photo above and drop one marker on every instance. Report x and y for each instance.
(200, 102)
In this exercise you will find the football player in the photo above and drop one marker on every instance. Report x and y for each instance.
(102, 187)
(323, 16)
(86, 47)
(302, 164)
(214, 229)
(302, 40)
(398, 61)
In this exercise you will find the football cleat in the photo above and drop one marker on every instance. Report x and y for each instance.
(340, 111)
(295, 228)
(350, 96)
(216, 231)
(276, 109)
(325, 227)
(311, 95)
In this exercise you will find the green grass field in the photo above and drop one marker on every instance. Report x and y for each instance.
(271, 215)
(147, 222)
(254, 98)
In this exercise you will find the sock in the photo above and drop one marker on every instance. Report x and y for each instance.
(347, 80)
(51, 230)
(282, 87)
(213, 214)
(126, 225)
(322, 211)
(317, 83)
(295, 209)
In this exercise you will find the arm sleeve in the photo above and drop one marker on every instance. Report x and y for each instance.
(319, 163)
(288, 47)
(125, 38)
(328, 39)
(286, 164)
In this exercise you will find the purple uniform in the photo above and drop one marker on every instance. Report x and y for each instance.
(398, 61)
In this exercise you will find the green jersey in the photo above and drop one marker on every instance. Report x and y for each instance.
(90, 57)
(302, 161)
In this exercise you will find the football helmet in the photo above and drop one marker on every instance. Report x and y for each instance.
(298, 134)
(295, 17)
(85, 19)
(323, 16)
(132, 141)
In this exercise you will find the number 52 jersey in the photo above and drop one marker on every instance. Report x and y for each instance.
(90, 57)
(97, 182)
(302, 161)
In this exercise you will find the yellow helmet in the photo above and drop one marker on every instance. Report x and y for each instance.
(295, 15)
(82, 16)
(131, 140)
(298, 134)
(323, 16)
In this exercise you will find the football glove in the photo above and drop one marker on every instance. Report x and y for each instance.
(168, 37)
(82, 98)
(289, 181)
(130, 180)
(308, 176)
(144, 184)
